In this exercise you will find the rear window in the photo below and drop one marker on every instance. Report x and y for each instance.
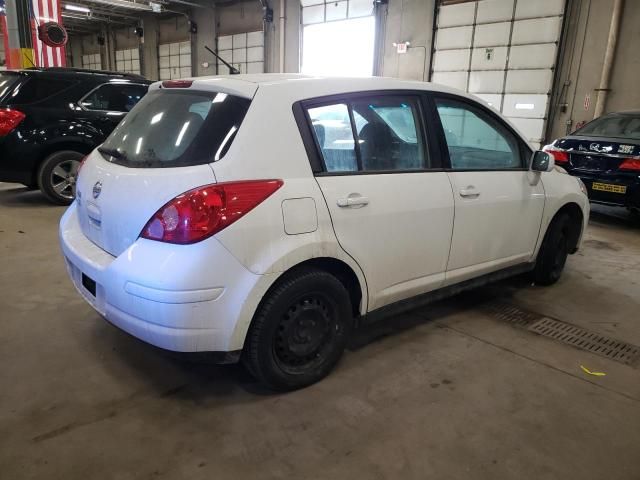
(174, 128)
(615, 126)
(7, 81)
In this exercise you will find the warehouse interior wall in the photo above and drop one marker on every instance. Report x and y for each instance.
(581, 60)
(577, 76)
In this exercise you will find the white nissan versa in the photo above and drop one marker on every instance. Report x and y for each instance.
(263, 216)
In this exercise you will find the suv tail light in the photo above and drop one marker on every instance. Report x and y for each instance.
(84, 159)
(9, 119)
(204, 211)
(560, 156)
(630, 164)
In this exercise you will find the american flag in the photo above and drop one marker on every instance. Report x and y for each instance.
(43, 11)
(3, 30)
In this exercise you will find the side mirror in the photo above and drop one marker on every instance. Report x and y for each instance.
(542, 162)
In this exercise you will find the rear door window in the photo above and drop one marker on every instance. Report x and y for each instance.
(171, 128)
(332, 128)
(114, 97)
(379, 134)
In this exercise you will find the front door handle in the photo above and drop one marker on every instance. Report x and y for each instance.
(470, 191)
(354, 200)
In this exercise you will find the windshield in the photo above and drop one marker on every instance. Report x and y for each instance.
(174, 128)
(615, 126)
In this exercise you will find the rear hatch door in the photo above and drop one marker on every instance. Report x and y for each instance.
(161, 149)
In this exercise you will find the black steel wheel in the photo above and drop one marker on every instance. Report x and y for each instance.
(553, 253)
(299, 331)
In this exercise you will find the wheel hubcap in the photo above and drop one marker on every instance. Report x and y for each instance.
(304, 332)
(63, 178)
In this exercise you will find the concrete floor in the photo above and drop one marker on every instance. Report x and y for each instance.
(445, 392)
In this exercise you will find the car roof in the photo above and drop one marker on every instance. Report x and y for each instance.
(300, 86)
(80, 72)
(630, 113)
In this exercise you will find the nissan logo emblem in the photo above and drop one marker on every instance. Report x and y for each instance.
(97, 188)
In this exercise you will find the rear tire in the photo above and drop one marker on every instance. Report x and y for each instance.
(57, 176)
(554, 251)
(299, 331)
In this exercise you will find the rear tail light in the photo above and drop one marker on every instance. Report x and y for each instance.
(630, 164)
(81, 165)
(560, 156)
(204, 211)
(9, 120)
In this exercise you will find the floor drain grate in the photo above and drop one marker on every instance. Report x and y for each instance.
(508, 313)
(585, 340)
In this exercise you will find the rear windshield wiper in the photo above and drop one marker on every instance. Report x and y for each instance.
(113, 152)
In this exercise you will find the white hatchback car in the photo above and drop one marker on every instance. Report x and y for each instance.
(262, 217)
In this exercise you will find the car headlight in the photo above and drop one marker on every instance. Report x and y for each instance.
(583, 187)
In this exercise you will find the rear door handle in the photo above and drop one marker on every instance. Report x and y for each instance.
(470, 191)
(353, 200)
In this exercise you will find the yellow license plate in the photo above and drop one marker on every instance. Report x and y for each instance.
(609, 187)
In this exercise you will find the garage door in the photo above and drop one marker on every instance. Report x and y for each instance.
(128, 61)
(244, 50)
(174, 60)
(503, 51)
(92, 61)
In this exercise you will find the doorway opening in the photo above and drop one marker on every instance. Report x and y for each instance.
(339, 48)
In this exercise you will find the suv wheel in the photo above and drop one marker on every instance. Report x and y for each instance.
(299, 331)
(553, 252)
(57, 176)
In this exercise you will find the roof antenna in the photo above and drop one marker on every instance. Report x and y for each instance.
(232, 70)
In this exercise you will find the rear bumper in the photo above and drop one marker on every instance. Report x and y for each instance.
(184, 298)
(615, 182)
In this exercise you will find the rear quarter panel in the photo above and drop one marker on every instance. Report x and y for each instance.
(268, 146)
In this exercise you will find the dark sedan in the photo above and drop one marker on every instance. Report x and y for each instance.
(605, 154)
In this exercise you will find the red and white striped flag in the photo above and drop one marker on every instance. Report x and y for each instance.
(43, 11)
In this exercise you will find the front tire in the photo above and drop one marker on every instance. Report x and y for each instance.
(554, 251)
(57, 176)
(300, 330)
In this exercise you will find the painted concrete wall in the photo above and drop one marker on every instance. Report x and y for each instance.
(205, 19)
(581, 64)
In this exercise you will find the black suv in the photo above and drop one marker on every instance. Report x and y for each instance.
(50, 118)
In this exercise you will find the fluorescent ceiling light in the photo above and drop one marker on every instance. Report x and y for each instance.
(123, 4)
(525, 106)
(77, 8)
